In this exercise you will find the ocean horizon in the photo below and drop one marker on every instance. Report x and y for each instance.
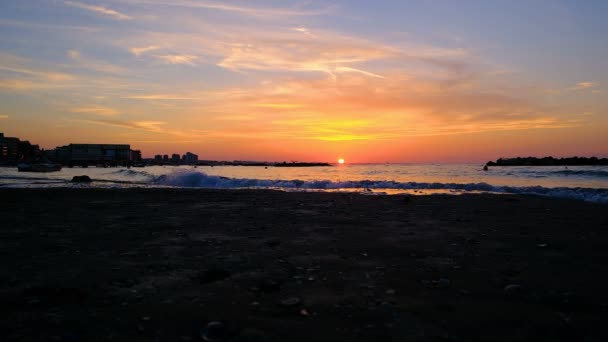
(587, 183)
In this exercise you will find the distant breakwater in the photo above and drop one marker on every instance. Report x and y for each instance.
(549, 161)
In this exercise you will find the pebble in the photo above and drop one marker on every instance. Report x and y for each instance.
(291, 301)
(512, 288)
(390, 292)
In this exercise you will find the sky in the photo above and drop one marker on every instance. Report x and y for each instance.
(367, 81)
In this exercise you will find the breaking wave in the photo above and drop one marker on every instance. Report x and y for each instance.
(193, 179)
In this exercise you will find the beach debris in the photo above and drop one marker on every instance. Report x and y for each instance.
(213, 275)
(81, 179)
(214, 331)
(290, 302)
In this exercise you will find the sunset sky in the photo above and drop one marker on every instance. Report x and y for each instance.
(368, 81)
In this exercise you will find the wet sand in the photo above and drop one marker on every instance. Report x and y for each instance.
(160, 265)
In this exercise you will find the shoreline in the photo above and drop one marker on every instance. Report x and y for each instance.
(161, 264)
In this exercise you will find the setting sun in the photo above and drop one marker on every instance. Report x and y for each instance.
(341, 161)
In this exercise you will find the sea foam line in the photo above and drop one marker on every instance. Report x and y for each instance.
(194, 179)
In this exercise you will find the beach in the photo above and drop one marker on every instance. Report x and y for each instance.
(261, 265)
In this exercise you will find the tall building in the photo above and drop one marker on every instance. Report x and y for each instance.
(175, 158)
(190, 158)
(9, 148)
(13, 150)
(136, 156)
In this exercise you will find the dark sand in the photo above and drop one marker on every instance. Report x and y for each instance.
(159, 265)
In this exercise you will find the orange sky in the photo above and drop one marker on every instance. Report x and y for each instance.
(292, 81)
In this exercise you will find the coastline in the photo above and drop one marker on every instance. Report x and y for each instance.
(142, 264)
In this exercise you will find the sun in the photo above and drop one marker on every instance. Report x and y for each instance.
(341, 161)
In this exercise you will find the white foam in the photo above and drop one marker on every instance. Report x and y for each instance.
(194, 179)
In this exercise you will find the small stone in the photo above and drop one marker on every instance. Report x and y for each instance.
(304, 312)
(81, 179)
(512, 288)
(390, 292)
(291, 301)
(542, 245)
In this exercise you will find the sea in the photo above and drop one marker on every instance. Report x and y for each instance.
(586, 183)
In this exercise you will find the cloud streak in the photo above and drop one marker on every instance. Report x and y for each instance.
(94, 64)
(98, 9)
(584, 85)
(96, 110)
(178, 59)
(258, 12)
(141, 50)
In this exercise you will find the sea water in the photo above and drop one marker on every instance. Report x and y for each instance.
(588, 183)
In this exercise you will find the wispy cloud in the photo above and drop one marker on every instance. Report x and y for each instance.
(21, 74)
(141, 50)
(178, 97)
(584, 85)
(98, 9)
(303, 30)
(153, 126)
(178, 59)
(260, 12)
(150, 126)
(96, 110)
(2, 116)
(94, 64)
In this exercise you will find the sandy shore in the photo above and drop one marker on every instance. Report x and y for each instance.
(160, 265)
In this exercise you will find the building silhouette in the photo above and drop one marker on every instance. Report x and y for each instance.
(13, 150)
(93, 154)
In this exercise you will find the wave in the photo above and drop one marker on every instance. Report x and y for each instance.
(566, 172)
(588, 173)
(130, 172)
(193, 179)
